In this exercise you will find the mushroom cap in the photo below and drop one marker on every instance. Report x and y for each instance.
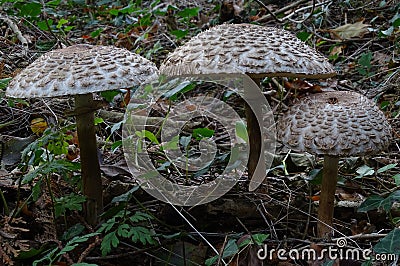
(336, 123)
(258, 51)
(81, 69)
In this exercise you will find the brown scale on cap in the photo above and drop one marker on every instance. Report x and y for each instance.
(340, 123)
(255, 50)
(81, 69)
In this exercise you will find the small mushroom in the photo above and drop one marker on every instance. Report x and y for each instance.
(334, 124)
(80, 70)
(257, 51)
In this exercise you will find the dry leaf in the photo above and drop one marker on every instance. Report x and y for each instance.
(337, 50)
(38, 125)
(349, 31)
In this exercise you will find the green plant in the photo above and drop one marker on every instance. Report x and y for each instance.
(55, 254)
(125, 224)
(364, 62)
(232, 247)
(45, 156)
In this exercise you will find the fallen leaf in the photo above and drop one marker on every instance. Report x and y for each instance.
(38, 125)
(301, 85)
(349, 31)
(337, 50)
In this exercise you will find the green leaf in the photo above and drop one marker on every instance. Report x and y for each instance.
(185, 140)
(189, 12)
(260, 238)
(179, 34)
(43, 25)
(108, 95)
(30, 10)
(375, 202)
(396, 178)
(140, 216)
(4, 83)
(329, 263)
(147, 134)
(126, 196)
(98, 120)
(113, 12)
(95, 34)
(31, 253)
(73, 243)
(387, 167)
(109, 240)
(364, 171)
(371, 203)
(315, 176)
(303, 35)
(365, 60)
(123, 230)
(142, 234)
(61, 22)
(71, 202)
(53, 3)
(200, 133)
(396, 20)
(73, 231)
(388, 31)
(116, 145)
(241, 131)
(172, 144)
(183, 87)
(390, 244)
(50, 167)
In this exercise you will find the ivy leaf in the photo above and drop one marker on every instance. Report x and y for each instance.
(390, 244)
(364, 171)
(386, 167)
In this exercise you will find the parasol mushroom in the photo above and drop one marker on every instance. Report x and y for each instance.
(334, 124)
(257, 51)
(80, 70)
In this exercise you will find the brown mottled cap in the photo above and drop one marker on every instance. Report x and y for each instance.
(337, 123)
(81, 69)
(246, 48)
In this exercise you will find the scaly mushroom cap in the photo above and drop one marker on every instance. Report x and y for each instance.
(338, 123)
(255, 50)
(81, 69)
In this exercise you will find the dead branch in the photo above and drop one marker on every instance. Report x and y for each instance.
(15, 29)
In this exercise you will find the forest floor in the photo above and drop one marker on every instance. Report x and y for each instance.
(41, 219)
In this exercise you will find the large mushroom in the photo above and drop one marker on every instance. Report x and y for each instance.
(257, 51)
(80, 70)
(334, 124)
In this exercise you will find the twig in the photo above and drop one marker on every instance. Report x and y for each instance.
(89, 248)
(361, 237)
(270, 14)
(15, 29)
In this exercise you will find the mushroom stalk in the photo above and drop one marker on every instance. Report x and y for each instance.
(327, 196)
(256, 155)
(90, 167)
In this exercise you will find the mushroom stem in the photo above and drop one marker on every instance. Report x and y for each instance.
(90, 167)
(256, 174)
(327, 196)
